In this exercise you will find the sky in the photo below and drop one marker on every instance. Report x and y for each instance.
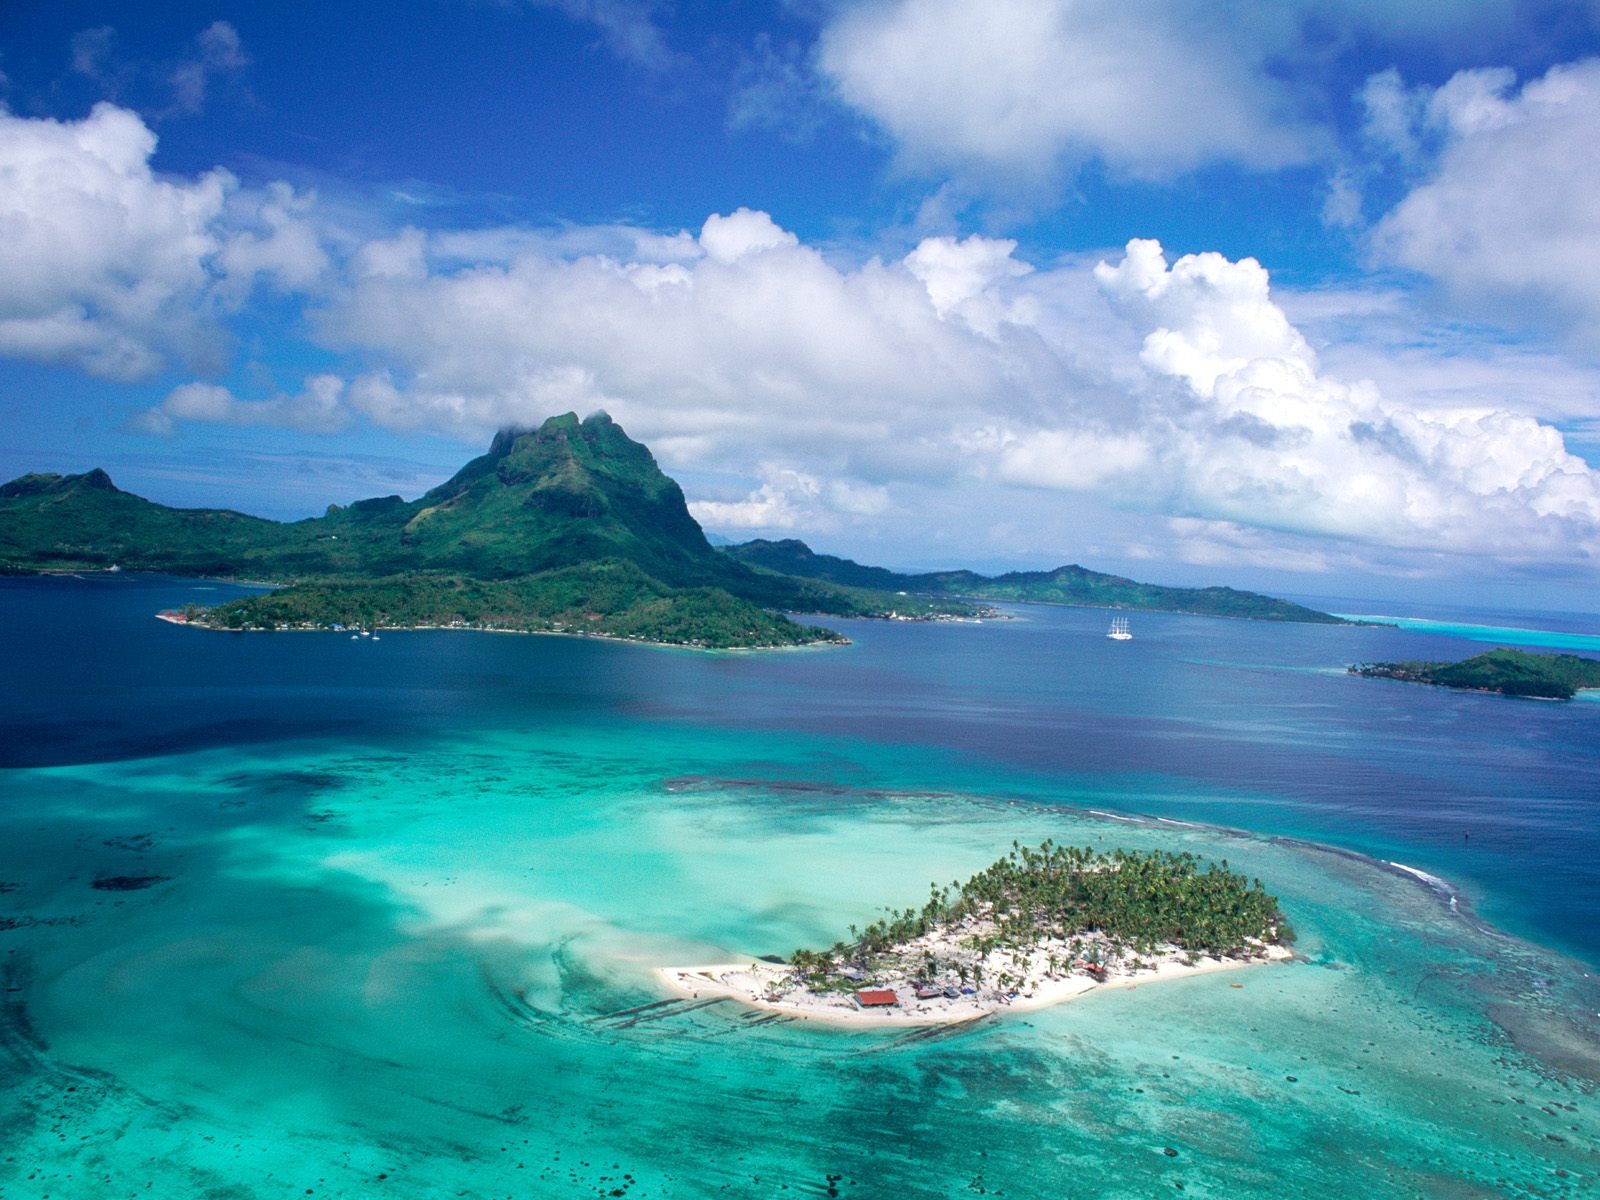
(1296, 296)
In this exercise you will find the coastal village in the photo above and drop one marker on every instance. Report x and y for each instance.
(895, 994)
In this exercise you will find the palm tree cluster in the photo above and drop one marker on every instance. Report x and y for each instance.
(1142, 899)
(1138, 900)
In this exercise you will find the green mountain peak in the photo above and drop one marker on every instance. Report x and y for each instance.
(569, 491)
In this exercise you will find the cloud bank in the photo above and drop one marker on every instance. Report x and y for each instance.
(1177, 388)
(956, 361)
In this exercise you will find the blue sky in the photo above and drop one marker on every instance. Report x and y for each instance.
(1296, 296)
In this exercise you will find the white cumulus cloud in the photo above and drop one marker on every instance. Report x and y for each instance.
(1005, 97)
(1257, 434)
(961, 276)
(1507, 218)
(1019, 86)
(275, 239)
(102, 264)
(957, 362)
(728, 239)
(759, 342)
(318, 408)
(109, 267)
(789, 500)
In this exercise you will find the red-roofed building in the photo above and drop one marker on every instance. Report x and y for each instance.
(876, 998)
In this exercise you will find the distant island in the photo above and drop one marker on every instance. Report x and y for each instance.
(1072, 585)
(571, 528)
(1506, 671)
(1037, 927)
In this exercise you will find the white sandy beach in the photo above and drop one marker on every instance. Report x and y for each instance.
(777, 987)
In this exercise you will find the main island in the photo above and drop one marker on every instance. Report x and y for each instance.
(571, 528)
(1037, 927)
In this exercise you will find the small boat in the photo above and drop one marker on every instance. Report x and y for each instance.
(1119, 630)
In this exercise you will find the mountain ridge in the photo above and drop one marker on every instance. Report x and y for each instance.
(1069, 585)
(567, 492)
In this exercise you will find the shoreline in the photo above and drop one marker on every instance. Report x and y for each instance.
(174, 618)
(773, 987)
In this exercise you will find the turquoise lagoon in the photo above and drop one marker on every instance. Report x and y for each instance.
(378, 919)
(1498, 635)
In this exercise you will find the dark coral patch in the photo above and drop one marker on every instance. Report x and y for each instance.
(127, 883)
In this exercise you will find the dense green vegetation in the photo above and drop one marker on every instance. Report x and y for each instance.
(1064, 585)
(85, 522)
(611, 598)
(567, 493)
(570, 525)
(1507, 671)
(1138, 900)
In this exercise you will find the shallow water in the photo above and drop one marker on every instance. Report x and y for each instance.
(1499, 635)
(396, 903)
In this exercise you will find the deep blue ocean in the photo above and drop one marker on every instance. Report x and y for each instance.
(313, 915)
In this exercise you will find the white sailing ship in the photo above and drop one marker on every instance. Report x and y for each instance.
(1119, 630)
